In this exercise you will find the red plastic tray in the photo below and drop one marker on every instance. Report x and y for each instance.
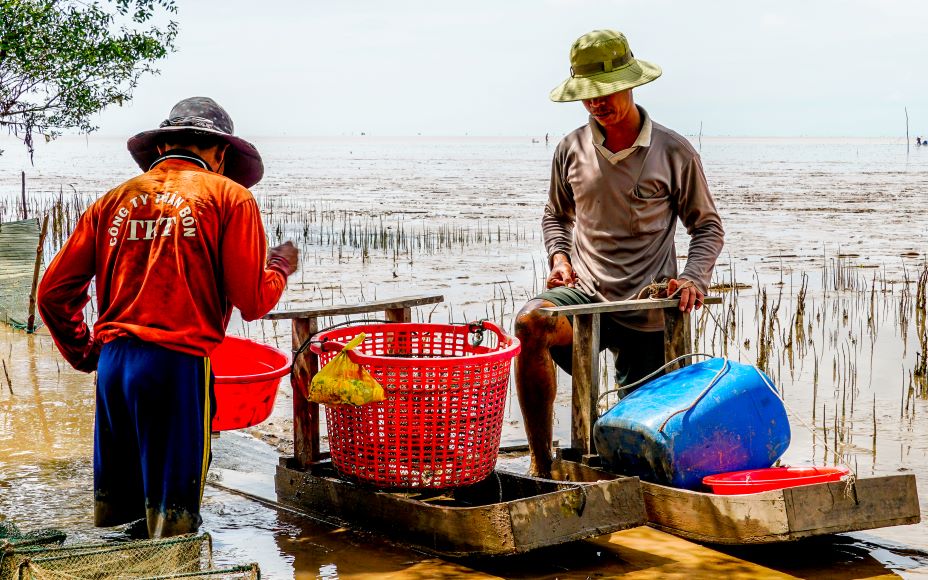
(247, 376)
(758, 480)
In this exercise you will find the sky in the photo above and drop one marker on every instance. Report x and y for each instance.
(480, 67)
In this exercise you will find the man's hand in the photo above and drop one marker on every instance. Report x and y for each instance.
(288, 252)
(689, 294)
(562, 273)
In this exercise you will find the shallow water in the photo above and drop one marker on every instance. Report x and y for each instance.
(390, 217)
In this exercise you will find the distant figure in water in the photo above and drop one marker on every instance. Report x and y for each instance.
(918, 141)
(547, 139)
(619, 184)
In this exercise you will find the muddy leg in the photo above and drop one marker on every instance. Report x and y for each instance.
(536, 382)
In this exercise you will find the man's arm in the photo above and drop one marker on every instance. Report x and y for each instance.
(557, 225)
(696, 209)
(253, 281)
(63, 294)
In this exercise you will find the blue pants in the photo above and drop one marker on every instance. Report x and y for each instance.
(151, 437)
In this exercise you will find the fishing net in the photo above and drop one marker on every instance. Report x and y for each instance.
(18, 243)
(11, 537)
(178, 557)
(249, 572)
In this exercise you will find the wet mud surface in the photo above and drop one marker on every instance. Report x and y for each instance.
(826, 240)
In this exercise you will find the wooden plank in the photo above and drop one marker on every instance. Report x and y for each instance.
(513, 513)
(305, 413)
(767, 517)
(584, 380)
(620, 306)
(581, 512)
(360, 308)
(482, 530)
(399, 315)
(705, 517)
(830, 508)
(677, 337)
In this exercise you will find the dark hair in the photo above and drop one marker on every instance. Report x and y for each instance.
(184, 139)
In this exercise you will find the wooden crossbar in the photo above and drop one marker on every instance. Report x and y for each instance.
(306, 364)
(360, 308)
(586, 348)
(621, 306)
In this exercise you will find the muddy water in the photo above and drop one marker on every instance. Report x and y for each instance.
(459, 217)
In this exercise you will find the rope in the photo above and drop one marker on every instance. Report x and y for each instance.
(725, 366)
(310, 340)
(651, 375)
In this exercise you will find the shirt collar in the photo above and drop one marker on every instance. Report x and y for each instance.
(643, 140)
(183, 156)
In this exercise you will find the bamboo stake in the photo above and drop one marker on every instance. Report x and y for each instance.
(25, 209)
(30, 324)
(9, 383)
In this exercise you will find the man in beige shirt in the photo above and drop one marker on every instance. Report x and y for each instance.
(618, 186)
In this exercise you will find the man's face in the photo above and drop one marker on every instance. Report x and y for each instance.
(611, 109)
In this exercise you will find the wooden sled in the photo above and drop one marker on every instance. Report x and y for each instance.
(505, 514)
(781, 515)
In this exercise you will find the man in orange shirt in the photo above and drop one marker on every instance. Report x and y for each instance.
(172, 251)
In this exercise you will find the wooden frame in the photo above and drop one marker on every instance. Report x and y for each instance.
(772, 516)
(585, 361)
(506, 514)
(781, 515)
(527, 513)
(305, 323)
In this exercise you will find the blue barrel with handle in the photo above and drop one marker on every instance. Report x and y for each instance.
(706, 418)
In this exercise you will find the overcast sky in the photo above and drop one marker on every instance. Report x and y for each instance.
(480, 67)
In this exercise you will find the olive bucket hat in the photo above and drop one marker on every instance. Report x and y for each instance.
(201, 116)
(601, 63)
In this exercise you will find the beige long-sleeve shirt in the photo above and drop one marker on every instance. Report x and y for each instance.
(615, 214)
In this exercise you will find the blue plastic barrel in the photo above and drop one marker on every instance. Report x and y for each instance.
(736, 422)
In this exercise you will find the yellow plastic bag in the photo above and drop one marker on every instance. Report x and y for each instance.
(344, 382)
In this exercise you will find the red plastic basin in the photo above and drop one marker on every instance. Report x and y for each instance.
(757, 480)
(247, 375)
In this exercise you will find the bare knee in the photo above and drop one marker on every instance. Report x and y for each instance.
(538, 330)
(531, 324)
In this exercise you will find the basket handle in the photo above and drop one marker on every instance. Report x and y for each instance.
(503, 338)
(477, 326)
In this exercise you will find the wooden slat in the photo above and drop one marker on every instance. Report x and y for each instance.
(724, 519)
(360, 308)
(399, 315)
(877, 502)
(620, 306)
(513, 514)
(305, 413)
(585, 380)
(677, 337)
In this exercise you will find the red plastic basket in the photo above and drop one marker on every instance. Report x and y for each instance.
(771, 478)
(439, 425)
(247, 375)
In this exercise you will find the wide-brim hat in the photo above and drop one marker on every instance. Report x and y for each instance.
(601, 63)
(201, 116)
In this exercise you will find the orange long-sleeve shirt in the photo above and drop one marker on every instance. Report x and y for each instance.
(172, 250)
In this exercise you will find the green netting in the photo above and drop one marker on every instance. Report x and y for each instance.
(18, 243)
(12, 537)
(13, 541)
(168, 557)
